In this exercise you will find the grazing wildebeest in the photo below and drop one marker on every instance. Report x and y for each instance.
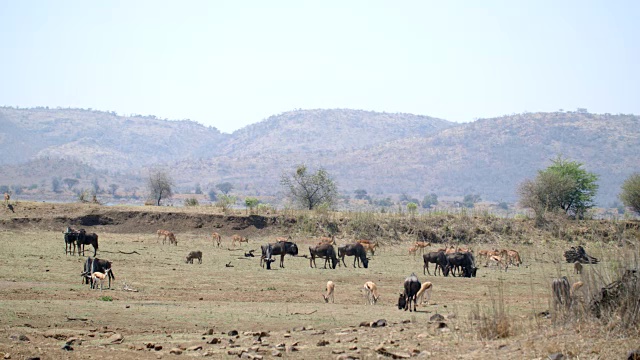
(324, 251)
(357, 251)
(411, 288)
(464, 261)
(87, 239)
(281, 248)
(194, 255)
(96, 265)
(70, 239)
(438, 258)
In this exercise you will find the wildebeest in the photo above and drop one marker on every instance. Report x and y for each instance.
(87, 239)
(324, 251)
(357, 251)
(96, 265)
(464, 261)
(411, 288)
(194, 255)
(438, 258)
(70, 239)
(281, 248)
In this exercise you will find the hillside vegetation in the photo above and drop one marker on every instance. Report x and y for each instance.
(381, 153)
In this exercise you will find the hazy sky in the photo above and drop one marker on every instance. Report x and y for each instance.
(232, 63)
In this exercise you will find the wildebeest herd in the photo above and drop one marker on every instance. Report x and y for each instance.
(453, 261)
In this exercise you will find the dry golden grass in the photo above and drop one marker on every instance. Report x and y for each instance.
(492, 316)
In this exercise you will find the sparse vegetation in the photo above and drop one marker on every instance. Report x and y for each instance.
(564, 186)
(630, 194)
(160, 185)
(191, 202)
(251, 203)
(310, 190)
(226, 201)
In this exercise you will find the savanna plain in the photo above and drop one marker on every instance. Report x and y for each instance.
(230, 307)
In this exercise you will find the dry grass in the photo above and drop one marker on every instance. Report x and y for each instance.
(494, 315)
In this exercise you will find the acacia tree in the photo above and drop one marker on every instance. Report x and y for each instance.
(630, 194)
(310, 189)
(160, 185)
(564, 186)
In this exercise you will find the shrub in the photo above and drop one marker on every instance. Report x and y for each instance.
(105, 298)
(191, 202)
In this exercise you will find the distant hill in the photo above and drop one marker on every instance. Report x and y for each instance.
(380, 152)
(101, 139)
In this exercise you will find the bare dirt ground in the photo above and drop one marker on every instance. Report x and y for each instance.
(196, 309)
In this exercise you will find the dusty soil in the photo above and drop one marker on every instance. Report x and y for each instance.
(193, 308)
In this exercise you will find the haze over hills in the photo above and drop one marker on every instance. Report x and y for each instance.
(382, 153)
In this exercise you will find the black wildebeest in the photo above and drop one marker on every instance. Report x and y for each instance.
(70, 239)
(411, 287)
(465, 261)
(438, 258)
(281, 248)
(324, 251)
(87, 239)
(96, 265)
(357, 251)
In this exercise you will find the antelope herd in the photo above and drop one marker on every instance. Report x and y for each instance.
(451, 259)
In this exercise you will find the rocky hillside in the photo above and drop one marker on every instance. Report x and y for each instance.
(379, 152)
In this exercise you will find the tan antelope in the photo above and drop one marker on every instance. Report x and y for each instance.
(7, 196)
(238, 239)
(421, 245)
(217, 239)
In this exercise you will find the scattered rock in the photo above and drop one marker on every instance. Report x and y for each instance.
(379, 323)
(19, 337)
(346, 357)
(406, 321)
(157, 347)
(451, 316)
(116, 339)
(365, 324)
(194, 348)
(67, 347)
(299, 328)
(556, 356)
(634, 355)
(436, 317)
(287, 335)
(353, 347)
(208, 332)
(7, 356)
(291, 348)
(322, 342)
(276, 353)
(71, 340)
(175, 351)
(337, 351)
(214, 341)
(233, 333)
(380, 349)
(33, 358)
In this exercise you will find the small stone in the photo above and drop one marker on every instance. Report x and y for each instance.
(71, 340)
(116, 339)
(19, 337)
(406, 321)
(451, 316)
(291, 349)
(556, 356)
(208, 332)
(66, 347)
(194, 348)
(233, 333)
(7, 356)
(299, 328)
(214, 341)
(353, 347)
(322, 343)
(365, 324)
(287, 335)
(379, 323)
(337, 351)
(634, 355)
(281, 346)
(157, 347)
(175, 351)
(276, 353)
(436, 317)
